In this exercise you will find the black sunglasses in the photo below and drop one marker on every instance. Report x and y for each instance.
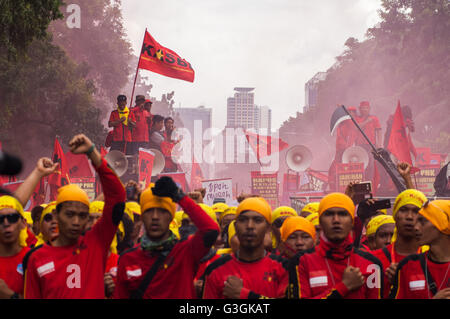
(48, 218)
(12, 218)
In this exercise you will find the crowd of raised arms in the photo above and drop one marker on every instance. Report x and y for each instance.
(164, 243)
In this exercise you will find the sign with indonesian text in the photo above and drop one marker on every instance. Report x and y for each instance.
(266, 186)
(218, 188)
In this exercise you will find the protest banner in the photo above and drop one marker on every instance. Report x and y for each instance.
(87, 184)
(146, 158)
(348, 172)
(265, 185)
(218, 188)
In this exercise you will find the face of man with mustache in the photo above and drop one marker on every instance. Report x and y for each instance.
(336, 223)
(251, 228)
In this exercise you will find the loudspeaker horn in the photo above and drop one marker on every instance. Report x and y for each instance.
(299, 158)
(117, 161)
(355, 154)
(158, 162)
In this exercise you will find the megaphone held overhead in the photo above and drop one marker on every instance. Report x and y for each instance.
(158, 162)
(117, 161)
(355, 154)
(299, 158)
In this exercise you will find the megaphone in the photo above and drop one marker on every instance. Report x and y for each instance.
(299, 158)
(158, 162)
(355, 154)
(117, 161)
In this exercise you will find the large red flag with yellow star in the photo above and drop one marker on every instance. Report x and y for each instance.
(156, 58)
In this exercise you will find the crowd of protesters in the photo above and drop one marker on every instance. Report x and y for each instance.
(164, 242)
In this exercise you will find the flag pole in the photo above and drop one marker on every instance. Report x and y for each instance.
(137, 69)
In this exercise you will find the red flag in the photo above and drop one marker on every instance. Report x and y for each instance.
(61, 176)
(78, 165)
(145, 166)
(196, 176)
(156, 58)
(166, 148)
(398, 140)
(6, 179)
(263, 145)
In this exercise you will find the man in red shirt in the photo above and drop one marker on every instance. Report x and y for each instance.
(13, 247)
(73, 267)
(122, 121)
(372, 128)
(346, 134)
(162, 267)
(139, 135)
(250, 272)
(427, 275)
(405, 242)
(335, 269)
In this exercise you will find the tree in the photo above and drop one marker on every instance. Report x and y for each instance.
(21, 21)
(101, 44)
(45, 96)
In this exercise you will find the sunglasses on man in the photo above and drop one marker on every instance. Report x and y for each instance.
(11, 218)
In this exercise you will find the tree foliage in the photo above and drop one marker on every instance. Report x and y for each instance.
(21, 21)
(101, 44)
(45, 96)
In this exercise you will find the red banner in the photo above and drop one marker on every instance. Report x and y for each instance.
(145, 166)
(179, 178)
(346, 173)
(61, 175)
(399, 143)
(156, 58)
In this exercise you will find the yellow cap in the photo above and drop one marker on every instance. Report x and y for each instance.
(179, 217)
(7, 201)
(209, 211)
(47, 210)
(292, 224)
(229, 211)
(231, 232)
(219, 207)
(438, 213)
(377, 222)
(311, 207)
(72, 192)
(256, 204)
(409, 196)
(96, 207)
(283, 211)
(28, 218)
(313, 218)
(338, 200)
(148, 200)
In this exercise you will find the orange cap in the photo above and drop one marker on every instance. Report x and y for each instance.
(339, 200)
(292, 224)
(256, 204)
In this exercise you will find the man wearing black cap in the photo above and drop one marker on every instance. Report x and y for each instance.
(121, 120)
(139, 135)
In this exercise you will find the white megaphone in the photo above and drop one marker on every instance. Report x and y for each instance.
(299, 158)
(117, 161)
(158, 162)
(355, 154)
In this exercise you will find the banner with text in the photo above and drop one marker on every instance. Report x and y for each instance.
(349, 172)
(218, 188)
(87, 184)
(265, 185)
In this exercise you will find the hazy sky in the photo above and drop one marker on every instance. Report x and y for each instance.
(275, 46)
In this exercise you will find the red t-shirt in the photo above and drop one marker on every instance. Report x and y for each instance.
(111, 265)
(369, 129)
(266, 277)
(77, 271)
(410, 281)
(11, 270)
(140, 131)
(346, 135)
(311, 277)
(121, 132)
(175, 279)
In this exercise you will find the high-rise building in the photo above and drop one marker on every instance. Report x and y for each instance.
(311, 90)
(241, 108)
(242, 111)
